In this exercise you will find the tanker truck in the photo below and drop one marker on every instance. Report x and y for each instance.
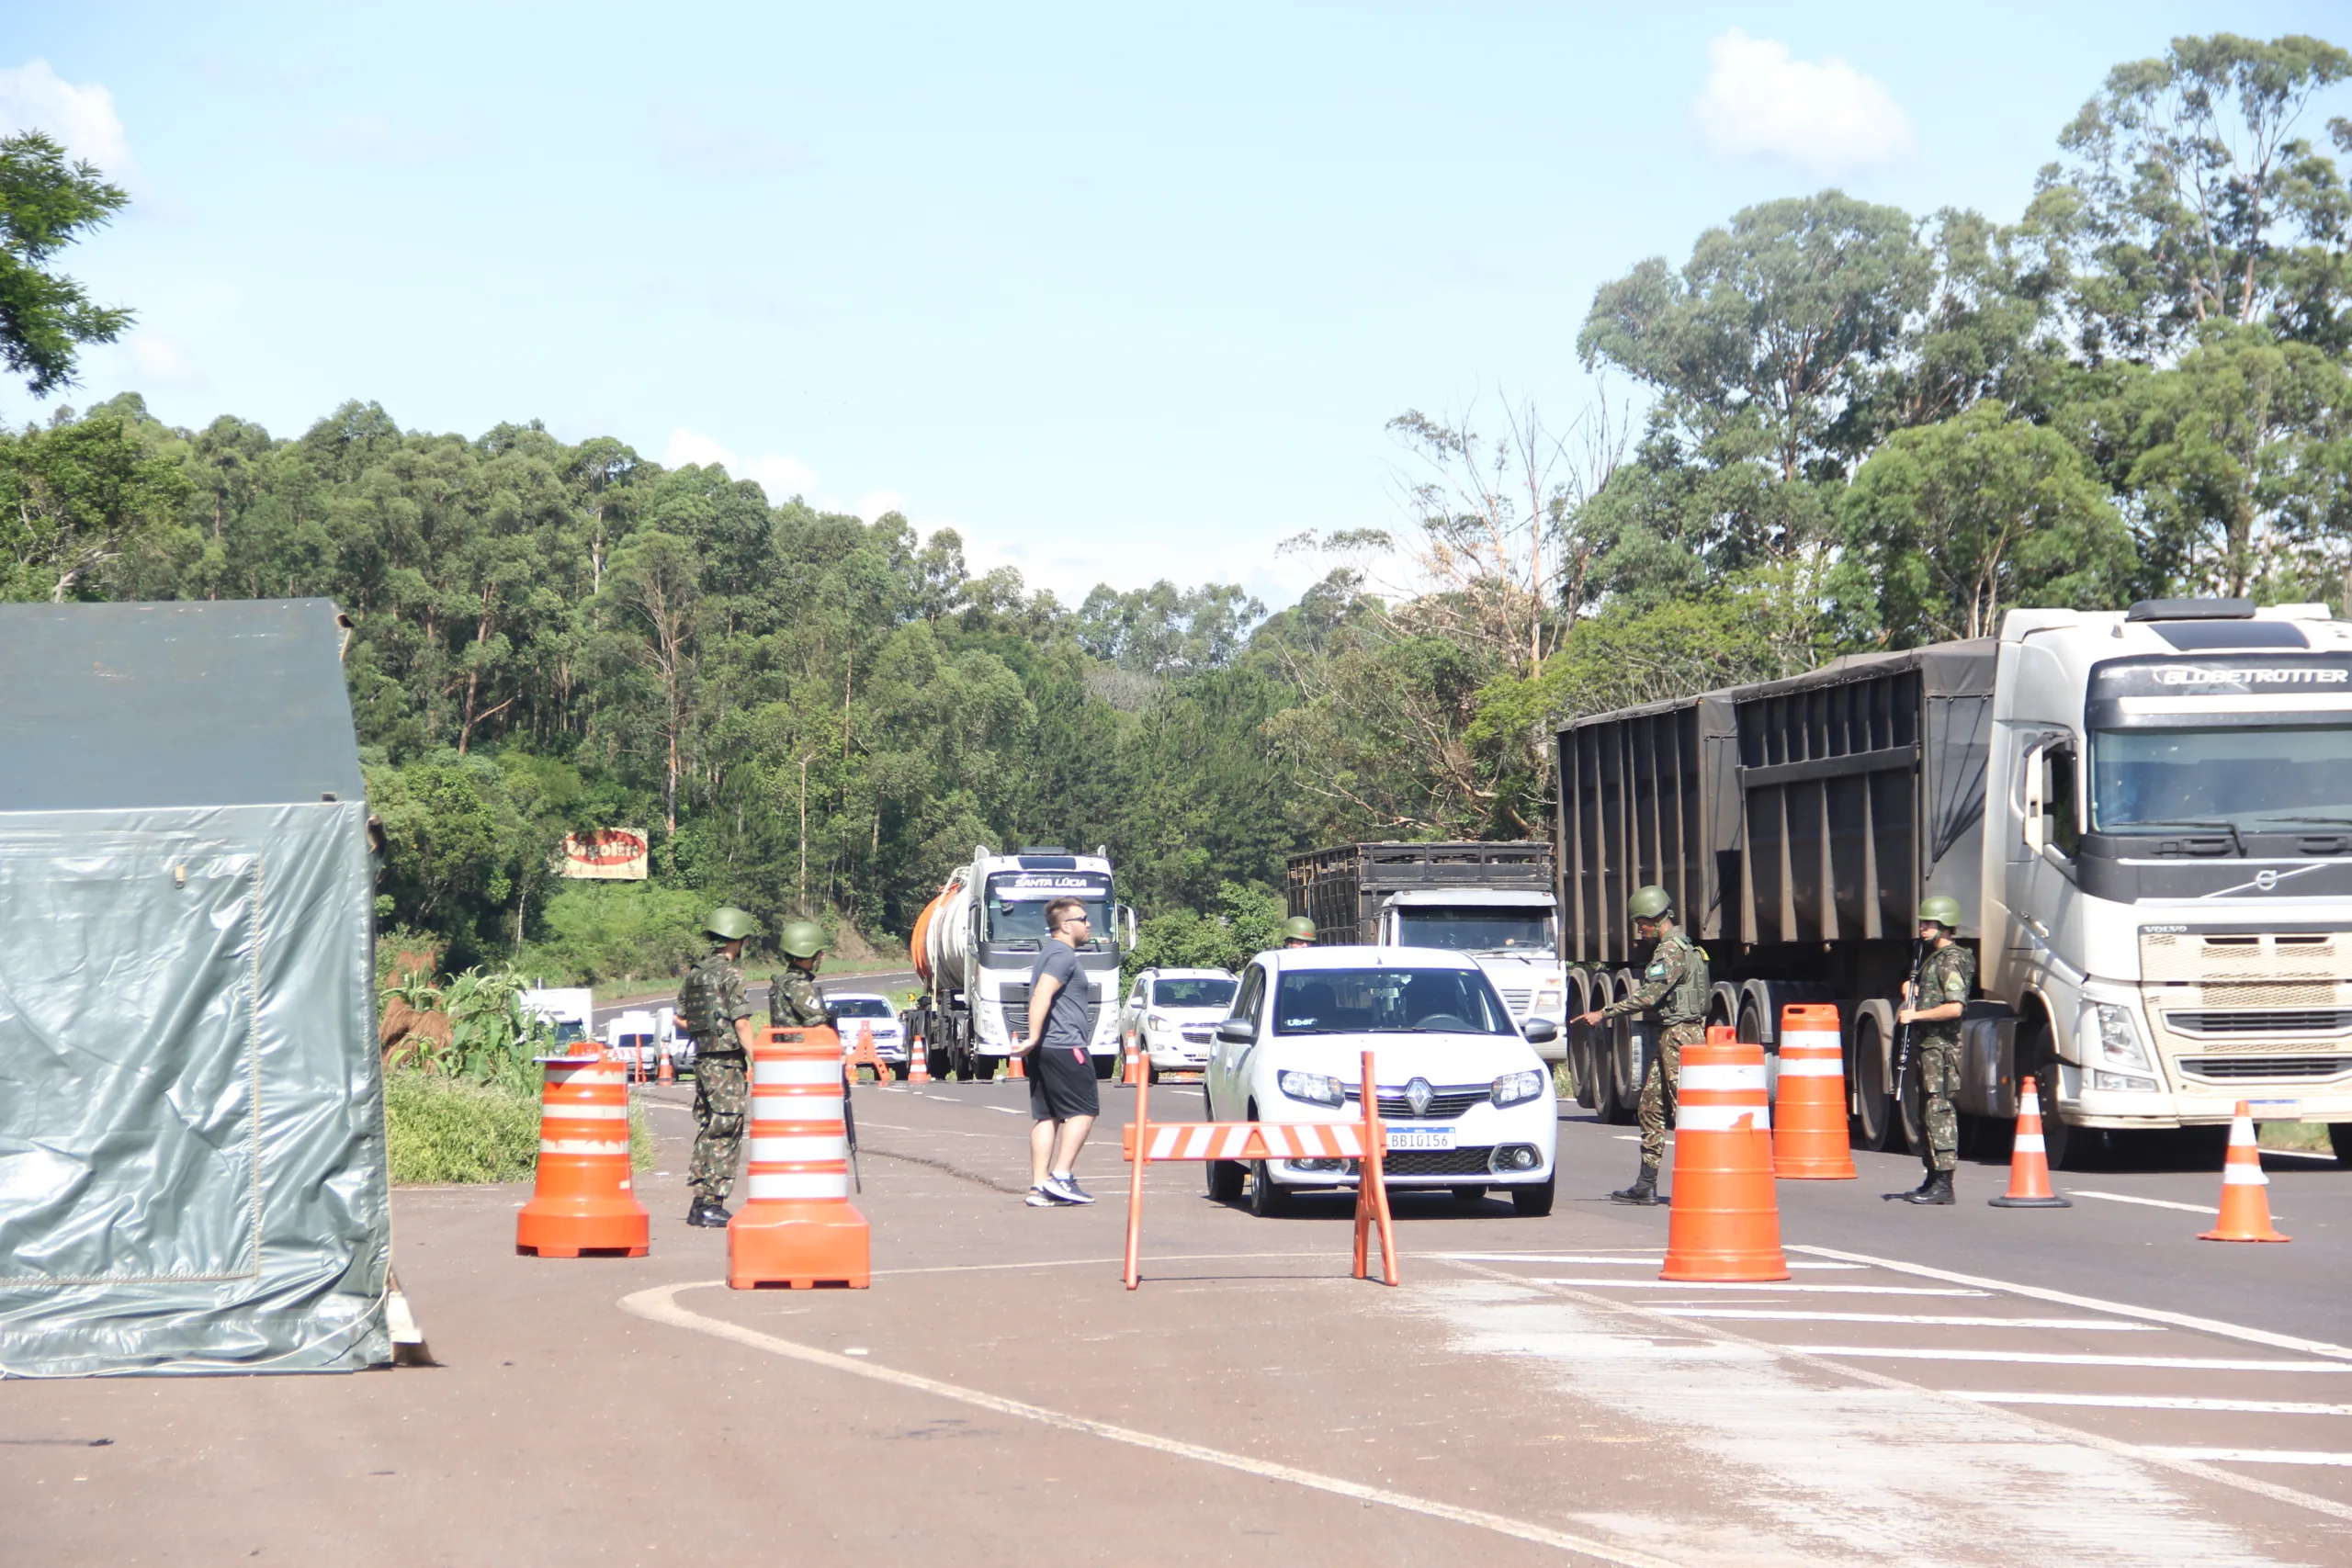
(975, 944)
(2144, 815)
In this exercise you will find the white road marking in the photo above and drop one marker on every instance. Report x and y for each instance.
(2094, 1325)
(2303, 1154)
(1774, 1287)
(660, 1306)
(2257, 1456)
(1009, 1110)
(1653, 1260)
(666, 1105)
(2061, 1359)
(2160, 1402)
(2121, 1309)
(2144, 1203)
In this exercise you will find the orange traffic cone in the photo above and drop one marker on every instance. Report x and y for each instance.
(2245, 1201)
(669, 1072)
(1134, 1073)
(1726, 1219)
(918, 1058)
(1809, 1139)
(1018, 1072)
(583, 1202)
(797, 1227)
(2030, 1160)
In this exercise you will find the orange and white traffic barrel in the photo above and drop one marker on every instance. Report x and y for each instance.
(1726, 1214)
(583, 1202)
(1809, 1141)
(797, 1228)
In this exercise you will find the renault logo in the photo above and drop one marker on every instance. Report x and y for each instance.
(1418, 1094)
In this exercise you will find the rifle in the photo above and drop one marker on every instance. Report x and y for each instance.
(849, 1125)
(1903, 1041)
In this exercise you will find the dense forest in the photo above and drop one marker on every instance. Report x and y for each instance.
(1834, 426)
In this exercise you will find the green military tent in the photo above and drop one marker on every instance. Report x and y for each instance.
(192, 1167)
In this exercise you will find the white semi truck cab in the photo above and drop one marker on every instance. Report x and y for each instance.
(976, 942)
(2167, 880)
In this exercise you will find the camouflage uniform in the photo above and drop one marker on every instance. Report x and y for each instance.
(720, 1095)
(794, 1001)
(1676, 985)
(1946, 975)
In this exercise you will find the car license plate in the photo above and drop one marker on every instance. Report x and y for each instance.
(2276, 1110)
(1419, 1138)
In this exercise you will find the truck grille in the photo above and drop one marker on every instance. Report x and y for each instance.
(2266, 1021)
(1438, 1162)
(2260, 956)
(2226, 1068)
(1517, 1000)
(1444, 1105)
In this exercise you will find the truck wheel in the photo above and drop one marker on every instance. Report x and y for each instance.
(1534, 1202)
(2339, 1136)
(1225, 1181)
(978, 1069)
(1868, 1126)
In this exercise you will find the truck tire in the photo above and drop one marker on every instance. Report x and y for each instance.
(1868, 1125)
(1580, 1040)
(1624, 1063)
(2066, 1148)
(2339, 1136)
(978, 1069)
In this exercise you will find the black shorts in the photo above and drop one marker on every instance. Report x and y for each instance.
(1061, 1084)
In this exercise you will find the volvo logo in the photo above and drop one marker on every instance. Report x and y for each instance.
(1418, 1094)
(2265, 880)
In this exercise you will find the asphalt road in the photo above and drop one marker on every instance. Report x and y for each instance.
(1532, 1394)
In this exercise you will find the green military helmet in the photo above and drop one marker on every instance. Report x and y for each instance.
(1944, 912)
(1651, 903)
(802, 939)
(728, 923)
(1298, 928)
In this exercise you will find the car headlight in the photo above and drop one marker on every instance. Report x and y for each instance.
(1513, 1088)
(1314, 1087)
(1157, 1021)
(2117, 1036)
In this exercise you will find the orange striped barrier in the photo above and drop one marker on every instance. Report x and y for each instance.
(582, 1204)
(1809, 1141)
(1365, 1141)
(1726, 1218)
(2245, 1190)
(2030, 1160)
(797, 1228)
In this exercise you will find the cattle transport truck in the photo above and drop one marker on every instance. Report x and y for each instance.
(1496, 903)
(2146, 816)
(975, 944)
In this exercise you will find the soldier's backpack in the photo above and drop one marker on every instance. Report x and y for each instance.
(699, 1002)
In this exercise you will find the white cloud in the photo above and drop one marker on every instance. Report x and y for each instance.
(162, 363)
(874, 504)
(34, 97)
(782, 476)
(1823, 116)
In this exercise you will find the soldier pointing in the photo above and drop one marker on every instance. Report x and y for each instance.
(1675, 983)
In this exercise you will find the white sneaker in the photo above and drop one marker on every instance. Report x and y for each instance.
(1038, 1200)
(1065, 1188)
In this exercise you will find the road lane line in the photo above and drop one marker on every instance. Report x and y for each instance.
(1653, 1261)
(2144, 1203)
(2093, 1325)
(1723, 1285)
(2064, 1358)
(2163, 1401)
(660, 1306)
(1818, 1358)
(2256, 1456)
(2121, 1309)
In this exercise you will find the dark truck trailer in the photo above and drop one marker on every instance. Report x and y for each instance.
(1342, 889)
(1797, 824)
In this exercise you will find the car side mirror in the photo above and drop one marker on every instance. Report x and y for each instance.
(1540, 1031)
(1236, 1032)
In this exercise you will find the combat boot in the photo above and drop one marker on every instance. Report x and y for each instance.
(1936, 1191)
(1643, 1192)
(1918, 1193)
(706, 1213)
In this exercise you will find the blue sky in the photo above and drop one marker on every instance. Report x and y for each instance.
(1118, 294)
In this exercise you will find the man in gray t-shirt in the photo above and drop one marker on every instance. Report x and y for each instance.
(1063, 1101)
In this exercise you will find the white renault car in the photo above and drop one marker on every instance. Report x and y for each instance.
(1171, 1016)
(1468, 1103)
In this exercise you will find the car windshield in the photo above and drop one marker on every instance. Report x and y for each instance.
(2250, 778)
(859, 1006)
(1360, 1001)
(1193, 993)
(1476, 928)
(1016, 906)
(568, 1032)
(635, 1041)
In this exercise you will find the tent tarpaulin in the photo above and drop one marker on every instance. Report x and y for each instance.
(192, 1165)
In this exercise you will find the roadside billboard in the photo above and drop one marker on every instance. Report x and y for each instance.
(606, 854)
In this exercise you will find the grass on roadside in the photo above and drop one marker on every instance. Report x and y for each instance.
(445, 1130)
(2310, 1136)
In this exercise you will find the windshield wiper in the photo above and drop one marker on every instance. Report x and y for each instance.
(2292, 817)
(2223, 823)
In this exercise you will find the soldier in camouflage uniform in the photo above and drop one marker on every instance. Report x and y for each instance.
(1675, 983)
(711, 1006)
(1933, 1000)
(1298, 931)
(794, 1001)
